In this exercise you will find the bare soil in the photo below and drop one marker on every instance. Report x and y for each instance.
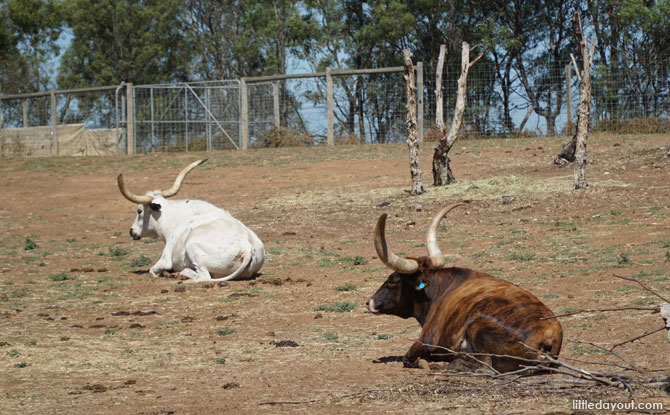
(84, 329)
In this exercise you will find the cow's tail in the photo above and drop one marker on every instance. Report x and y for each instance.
(238, 271)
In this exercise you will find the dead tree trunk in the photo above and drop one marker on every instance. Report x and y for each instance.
(410, 123)
(442, 174)
(587, 50)
(568, 151)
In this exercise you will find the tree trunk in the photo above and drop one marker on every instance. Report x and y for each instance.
(584, 112)
(410, 122)
(442, 174)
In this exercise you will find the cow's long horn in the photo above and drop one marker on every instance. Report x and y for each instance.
(131, 196)
(391, 260)
(177, 183)
(431, 239)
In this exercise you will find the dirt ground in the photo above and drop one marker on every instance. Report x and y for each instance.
(84, 329)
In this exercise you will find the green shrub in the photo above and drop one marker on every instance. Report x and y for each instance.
(283, 137)
(30, 244)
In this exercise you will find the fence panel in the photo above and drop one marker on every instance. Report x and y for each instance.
(368, 107)
(67, 122)
(187, 117)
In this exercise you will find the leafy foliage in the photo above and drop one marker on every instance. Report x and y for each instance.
(124, 41)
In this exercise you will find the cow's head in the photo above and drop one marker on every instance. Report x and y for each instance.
(410, 284)
(150, 204)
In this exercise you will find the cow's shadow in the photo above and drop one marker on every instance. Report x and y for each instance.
(175, 275)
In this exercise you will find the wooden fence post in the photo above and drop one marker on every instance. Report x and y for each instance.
(275, 104)
(329, 107)
(54, 120)
(25, 113)
(244, 114)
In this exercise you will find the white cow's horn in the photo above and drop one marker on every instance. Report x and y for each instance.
(431, 239)
(131, 196)
(391, 260)
(177, 183)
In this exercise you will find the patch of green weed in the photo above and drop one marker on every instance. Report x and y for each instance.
(339, 307)
(346, 287)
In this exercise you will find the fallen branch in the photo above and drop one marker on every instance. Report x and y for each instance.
(548, 364)
(606, 350)
(649, 333)
(643, 286)
(601, 310)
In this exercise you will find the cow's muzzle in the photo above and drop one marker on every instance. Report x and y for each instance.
(371, 306)
(134, 235)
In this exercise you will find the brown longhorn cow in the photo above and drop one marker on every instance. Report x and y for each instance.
(462, 311)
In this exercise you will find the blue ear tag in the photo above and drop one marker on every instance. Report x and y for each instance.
(422, 285)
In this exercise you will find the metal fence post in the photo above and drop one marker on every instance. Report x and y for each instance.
(419, 99)
(186, 118)
(154, 142)
(244, 114)
(54, 133)
(329, 107)
(275, 103)
(130, 119)
(208, 117)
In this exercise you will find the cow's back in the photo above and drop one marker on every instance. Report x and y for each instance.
(481, 300)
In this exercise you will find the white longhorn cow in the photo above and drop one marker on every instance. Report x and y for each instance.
(201, 240)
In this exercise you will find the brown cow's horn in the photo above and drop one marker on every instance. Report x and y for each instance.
(131, 196)
(391, 260)
(177, 183)
(431, 240)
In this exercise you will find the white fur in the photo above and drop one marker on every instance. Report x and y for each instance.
(201, 240)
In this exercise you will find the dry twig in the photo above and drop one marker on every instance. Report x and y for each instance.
(643, 286)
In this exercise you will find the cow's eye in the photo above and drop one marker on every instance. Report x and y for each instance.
(139, 211)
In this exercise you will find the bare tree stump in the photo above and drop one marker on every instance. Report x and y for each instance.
(411, 124)
(567, 154)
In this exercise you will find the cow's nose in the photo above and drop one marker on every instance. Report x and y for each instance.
(370, 304)
(134, 235)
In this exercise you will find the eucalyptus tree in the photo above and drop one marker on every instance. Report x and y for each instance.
(29, 30)
(632, 50)
(118, 41)
(220, 48)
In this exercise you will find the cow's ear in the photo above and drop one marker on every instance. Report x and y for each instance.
(155, 206)
(421, 284)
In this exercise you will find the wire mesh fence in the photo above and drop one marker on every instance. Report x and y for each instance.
(543, 102)
(262, 117)
(187, 116)
(72, 122)
(368, 106)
